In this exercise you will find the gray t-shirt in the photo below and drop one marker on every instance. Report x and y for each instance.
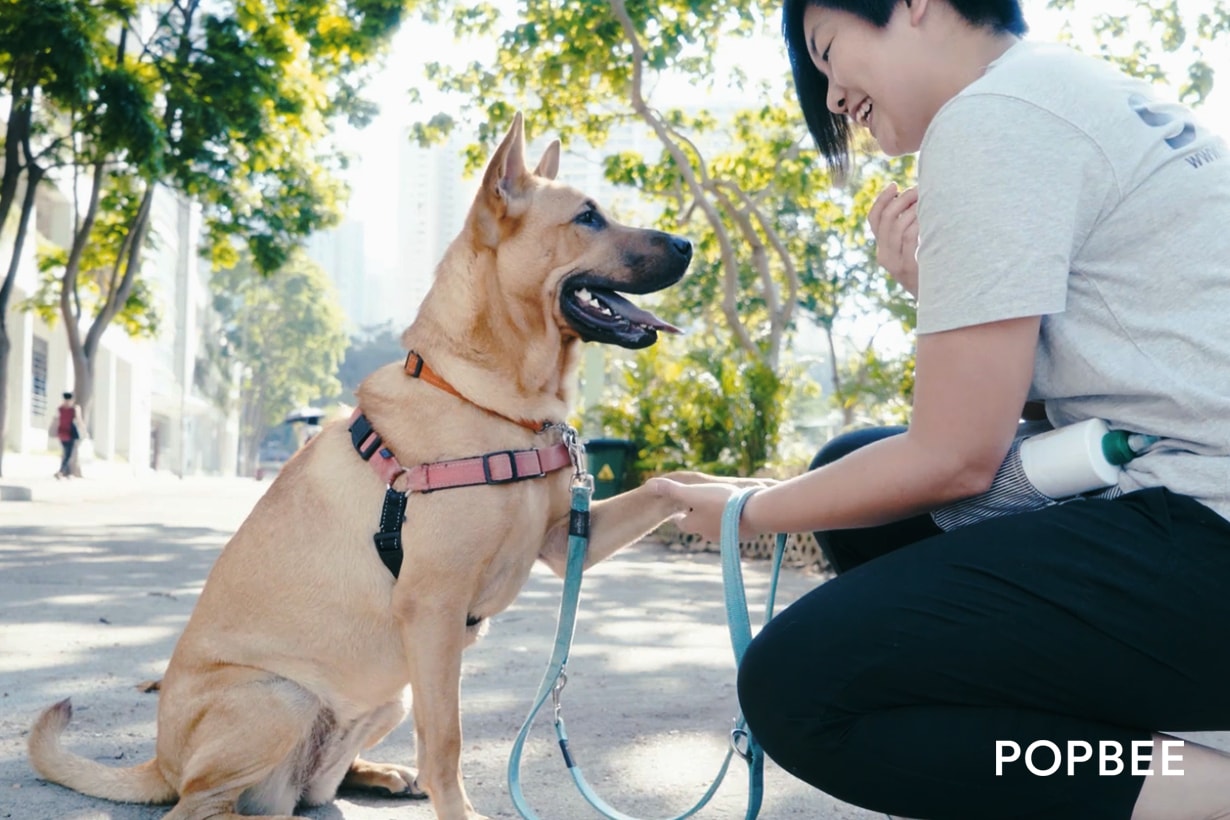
(1056, 186)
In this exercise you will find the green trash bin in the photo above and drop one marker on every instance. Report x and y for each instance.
(608, 460)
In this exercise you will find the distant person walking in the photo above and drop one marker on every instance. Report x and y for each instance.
(68, 431)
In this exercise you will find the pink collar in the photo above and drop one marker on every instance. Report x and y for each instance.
(500, 467)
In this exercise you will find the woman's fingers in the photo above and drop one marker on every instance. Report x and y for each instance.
(882, 201)
(894, 223)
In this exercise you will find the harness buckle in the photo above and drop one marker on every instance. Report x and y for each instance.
(418, 365)
(364, 438)
(513, 475)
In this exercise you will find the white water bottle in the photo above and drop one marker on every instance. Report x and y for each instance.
(1080, 457)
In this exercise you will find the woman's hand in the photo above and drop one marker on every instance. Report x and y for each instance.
(894, 222)
(704, 504)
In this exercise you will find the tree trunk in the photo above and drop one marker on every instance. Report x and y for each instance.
(83, 377)
(34, 177)
(5, 345)
(83, 394)
(846, 407)
(17, 132)
(252, 422)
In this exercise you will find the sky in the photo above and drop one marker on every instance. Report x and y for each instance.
(416, 44)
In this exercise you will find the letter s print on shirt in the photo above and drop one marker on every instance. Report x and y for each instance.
(1178, 133)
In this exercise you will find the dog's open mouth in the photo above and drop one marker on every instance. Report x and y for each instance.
(599, 314)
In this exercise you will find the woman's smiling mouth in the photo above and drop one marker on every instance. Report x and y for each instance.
(862, 114)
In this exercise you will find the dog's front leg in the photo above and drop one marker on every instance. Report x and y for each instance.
(617, 522)
(433, 631)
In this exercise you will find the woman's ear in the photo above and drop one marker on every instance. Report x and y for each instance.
(917, 9)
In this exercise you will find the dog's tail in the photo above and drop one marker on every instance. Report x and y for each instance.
(135, 784)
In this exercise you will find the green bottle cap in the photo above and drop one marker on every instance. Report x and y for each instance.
(1116, 448)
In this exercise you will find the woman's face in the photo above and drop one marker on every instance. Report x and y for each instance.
(873, 73)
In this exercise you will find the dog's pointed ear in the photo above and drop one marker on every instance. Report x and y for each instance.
(506, 171)
(548, 166)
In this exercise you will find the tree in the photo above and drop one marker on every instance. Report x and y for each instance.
(229, 104)
(673, 402)
(776, 243)
(46, 66)
(287, 333)
(1153, 39)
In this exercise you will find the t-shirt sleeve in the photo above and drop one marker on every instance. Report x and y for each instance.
(1007, 193)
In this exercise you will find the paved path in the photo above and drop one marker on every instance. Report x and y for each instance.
(99, 575)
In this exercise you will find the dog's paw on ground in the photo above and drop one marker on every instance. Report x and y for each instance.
(386, 778)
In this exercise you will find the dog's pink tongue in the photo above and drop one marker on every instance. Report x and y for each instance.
(635, 314)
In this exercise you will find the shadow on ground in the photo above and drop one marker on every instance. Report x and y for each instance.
(89, 612)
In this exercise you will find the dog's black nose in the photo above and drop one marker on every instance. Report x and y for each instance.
(682, 246)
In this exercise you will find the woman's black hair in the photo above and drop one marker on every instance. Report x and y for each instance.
(831, 131)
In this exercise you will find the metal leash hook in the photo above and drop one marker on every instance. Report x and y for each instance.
(576, 453)
(580, 463)
(740, 741)
(556, 691)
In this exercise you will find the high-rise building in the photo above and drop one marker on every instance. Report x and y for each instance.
(340, 252)
(434, 196)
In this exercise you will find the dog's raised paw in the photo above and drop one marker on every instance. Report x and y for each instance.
(389, 778)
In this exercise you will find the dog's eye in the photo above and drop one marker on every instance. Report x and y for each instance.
(589, 217)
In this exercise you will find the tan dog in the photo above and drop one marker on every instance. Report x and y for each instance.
(299, 652)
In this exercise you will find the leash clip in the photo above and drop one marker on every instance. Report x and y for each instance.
(576, 454)
(740, 742)
(556, 690)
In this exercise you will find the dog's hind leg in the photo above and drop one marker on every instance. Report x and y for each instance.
(249, 750)
(398, 781)
(223, 814)
(352, 772)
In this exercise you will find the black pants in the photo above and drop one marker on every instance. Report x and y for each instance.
(1098, 620)
(66, 461)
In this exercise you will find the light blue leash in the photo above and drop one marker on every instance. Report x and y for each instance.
(553, 681)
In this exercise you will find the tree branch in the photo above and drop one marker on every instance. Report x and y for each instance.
(788, 304)
(120, 287)
(70, 303)
(730, 265)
